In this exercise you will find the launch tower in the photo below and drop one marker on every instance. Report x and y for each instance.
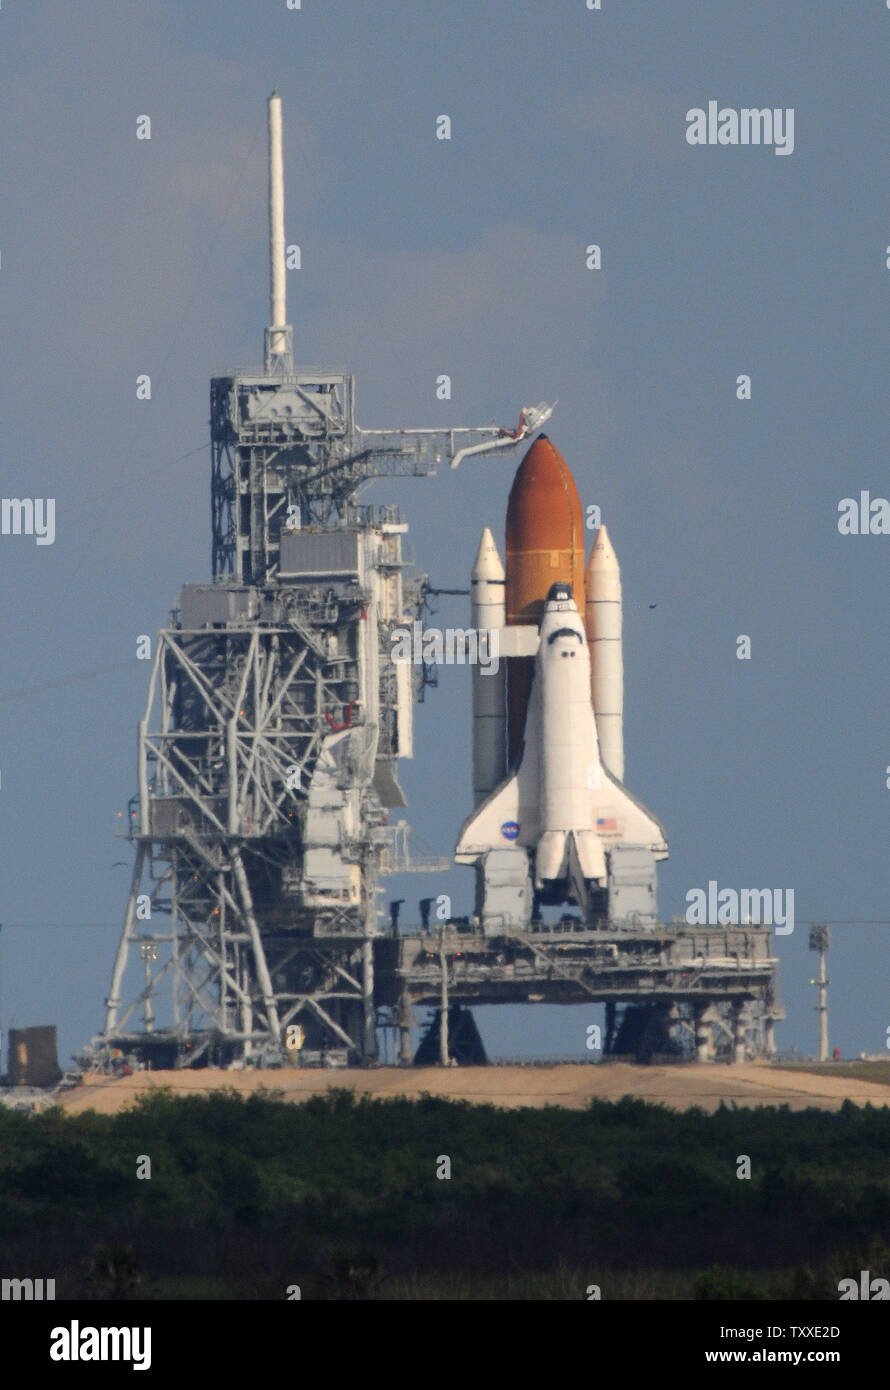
(268, 752)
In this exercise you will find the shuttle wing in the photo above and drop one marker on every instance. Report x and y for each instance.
(623, 820)
(510, 815)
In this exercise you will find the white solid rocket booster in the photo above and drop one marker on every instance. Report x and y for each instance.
(602, 582)
(488, 613)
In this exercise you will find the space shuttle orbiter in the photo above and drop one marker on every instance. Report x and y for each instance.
(561, 804)
(551, 809)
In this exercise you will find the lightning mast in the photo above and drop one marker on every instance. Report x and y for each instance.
(279, 334)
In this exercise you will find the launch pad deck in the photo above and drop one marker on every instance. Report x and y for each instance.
(700, 992)
(564, 964)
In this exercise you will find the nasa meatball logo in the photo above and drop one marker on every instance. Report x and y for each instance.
(509, 829)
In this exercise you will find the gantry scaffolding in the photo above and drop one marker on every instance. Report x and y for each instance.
(267, 755)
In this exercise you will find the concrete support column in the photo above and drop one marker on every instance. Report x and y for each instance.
(369, 1040)
(405, 1018)
(704, 1047)
(738, 1033)
(610, 1027)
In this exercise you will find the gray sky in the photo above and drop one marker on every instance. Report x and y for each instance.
(119, 257)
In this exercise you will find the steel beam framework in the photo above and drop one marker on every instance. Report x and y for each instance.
(236, 722)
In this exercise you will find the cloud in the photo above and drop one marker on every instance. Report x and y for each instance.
(516, 302)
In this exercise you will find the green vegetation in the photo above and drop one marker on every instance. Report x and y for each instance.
(340, 1196)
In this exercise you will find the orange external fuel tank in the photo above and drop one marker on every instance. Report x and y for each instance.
(545, 546)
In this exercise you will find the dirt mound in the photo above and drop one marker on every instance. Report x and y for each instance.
(679, 1088)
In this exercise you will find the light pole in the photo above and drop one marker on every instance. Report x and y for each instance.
(819, 942)
(443, 1015)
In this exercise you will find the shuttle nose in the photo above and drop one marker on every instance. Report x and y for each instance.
(559, 593)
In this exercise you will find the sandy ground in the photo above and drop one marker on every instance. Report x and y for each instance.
(571, 1086)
